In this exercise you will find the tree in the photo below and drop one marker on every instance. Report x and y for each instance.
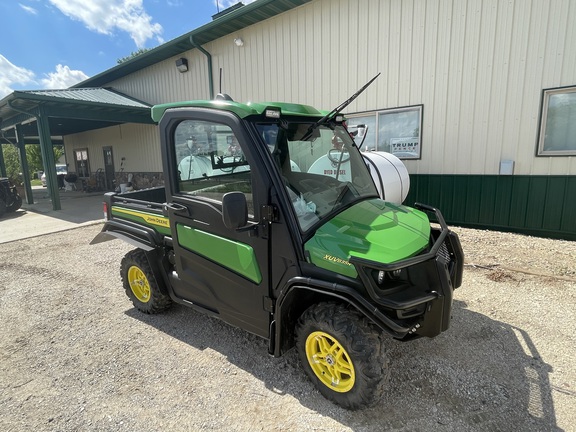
(12, 163)
(33, 156)
(132, 55)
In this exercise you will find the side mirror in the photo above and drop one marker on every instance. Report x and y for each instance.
(234, 210)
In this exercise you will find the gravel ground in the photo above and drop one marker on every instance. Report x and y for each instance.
(76, 356)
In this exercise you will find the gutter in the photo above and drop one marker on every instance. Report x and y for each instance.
(209, 57)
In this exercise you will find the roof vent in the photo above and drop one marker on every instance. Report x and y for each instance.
(227, 10)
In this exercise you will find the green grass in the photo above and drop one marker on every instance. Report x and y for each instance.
(35, 182)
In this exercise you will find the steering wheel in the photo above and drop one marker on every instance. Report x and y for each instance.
(337, 156)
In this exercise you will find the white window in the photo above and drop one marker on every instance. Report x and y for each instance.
(82, 163)
(396, 131)
(558, 122)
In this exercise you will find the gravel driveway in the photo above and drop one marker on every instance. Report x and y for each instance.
(76, 356)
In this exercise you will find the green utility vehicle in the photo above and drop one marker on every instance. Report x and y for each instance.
(248, 231)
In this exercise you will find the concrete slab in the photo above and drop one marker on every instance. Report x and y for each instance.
(78, 209)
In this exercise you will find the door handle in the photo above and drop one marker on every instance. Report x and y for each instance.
(175, 207)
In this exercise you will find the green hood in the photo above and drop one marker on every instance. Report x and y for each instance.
(373, 230)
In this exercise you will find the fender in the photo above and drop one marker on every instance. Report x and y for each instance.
(281, 333)
(134, 234)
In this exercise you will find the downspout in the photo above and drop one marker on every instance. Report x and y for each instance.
(209, 57)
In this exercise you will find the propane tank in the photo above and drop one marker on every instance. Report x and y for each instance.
(389, 174)
(194, 167)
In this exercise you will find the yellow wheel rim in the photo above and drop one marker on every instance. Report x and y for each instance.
(139, 284)
(330, 362)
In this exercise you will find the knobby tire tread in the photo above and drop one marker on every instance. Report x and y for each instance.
(158, 301)
(362, 341)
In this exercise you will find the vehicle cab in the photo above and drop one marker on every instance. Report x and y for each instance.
(256, 226)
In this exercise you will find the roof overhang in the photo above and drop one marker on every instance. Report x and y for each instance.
(69, 111)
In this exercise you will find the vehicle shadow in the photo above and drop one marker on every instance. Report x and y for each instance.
(482, 374)
(13, 215)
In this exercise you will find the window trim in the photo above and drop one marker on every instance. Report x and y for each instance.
(377, 113)
(543, 118)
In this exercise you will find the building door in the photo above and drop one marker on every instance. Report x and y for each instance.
(108, 168)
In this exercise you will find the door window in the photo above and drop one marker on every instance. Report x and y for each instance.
(210, 161)
(82, 163)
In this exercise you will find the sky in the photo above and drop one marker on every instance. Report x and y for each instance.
(54, 44)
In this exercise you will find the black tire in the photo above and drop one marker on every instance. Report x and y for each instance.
(355, 378)
(16, 204)
(2, 207)
(141, 285)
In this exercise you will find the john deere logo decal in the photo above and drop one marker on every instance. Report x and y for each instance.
(155, 220)
(336, 260)
(147, 217)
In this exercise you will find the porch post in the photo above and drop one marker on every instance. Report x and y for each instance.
(24, 164)
(48, 157)
(2, 163)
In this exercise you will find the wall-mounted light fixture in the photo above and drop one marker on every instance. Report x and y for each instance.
(182, 65)
(239, 42)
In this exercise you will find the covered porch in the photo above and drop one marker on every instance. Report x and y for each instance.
(45, 117)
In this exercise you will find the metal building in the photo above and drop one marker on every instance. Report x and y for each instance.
(477, 97)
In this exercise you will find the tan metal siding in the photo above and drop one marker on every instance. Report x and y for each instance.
(477, 66)
(138, 144)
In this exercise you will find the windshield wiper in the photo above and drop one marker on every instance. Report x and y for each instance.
(336, 110)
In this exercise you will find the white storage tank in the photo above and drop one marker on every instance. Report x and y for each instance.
(389, 174)
(195, 167)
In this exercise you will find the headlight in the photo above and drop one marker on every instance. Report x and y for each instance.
(393, 275)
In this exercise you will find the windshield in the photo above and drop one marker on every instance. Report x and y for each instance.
(323, 173)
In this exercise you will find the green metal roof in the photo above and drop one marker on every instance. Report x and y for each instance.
(231, 22)
(70, 111)
(85, 95)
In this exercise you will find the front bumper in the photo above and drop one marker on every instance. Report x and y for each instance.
(415, 294)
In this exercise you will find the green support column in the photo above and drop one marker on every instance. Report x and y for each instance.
(48, 158)
(2, 163)
(24, 165)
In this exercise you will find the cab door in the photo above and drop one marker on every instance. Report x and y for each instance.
(221, 270)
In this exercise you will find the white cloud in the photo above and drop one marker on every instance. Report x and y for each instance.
(11, 74)
(107, 16)
(28, 9)
(64, 77)
(224, 4)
